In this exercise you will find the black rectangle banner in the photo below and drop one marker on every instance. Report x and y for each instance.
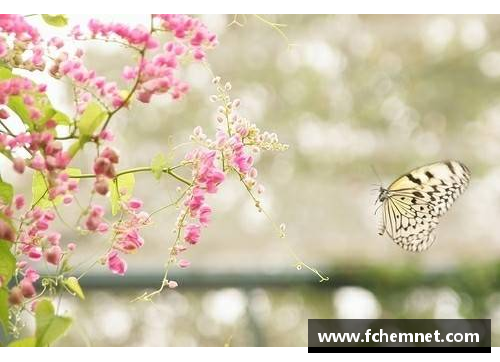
(399, 335)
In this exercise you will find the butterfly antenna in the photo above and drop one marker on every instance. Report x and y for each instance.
(376, 174)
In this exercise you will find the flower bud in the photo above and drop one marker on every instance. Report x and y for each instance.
(4, 114)
(183, 263)
(6, 232)
(16, 296)
(53, 255)
(27, 288)
(110, 154)
(101, 186)
(19, 164)
(101, 165)
(172, 284)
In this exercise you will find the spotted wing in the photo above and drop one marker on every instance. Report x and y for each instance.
(416, 200)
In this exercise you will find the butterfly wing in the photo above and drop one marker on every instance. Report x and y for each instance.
(416, 200)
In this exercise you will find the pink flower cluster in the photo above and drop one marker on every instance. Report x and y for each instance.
(138, 36)
(25, 289)
(192, 31)
(95, 221)
(207, 178)
(127, 238)
(157, 76)
(36, 242)
(17, 86)
(104, 169)
(86, 80)
(48, 157)
(15, 27)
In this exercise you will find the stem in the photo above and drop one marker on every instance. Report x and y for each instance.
(142, 54)
(13, 135)
(168, 170)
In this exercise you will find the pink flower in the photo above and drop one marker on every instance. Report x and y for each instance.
(192, 233)
(103, 227)
(131, 240)
(53, 255)
(172, 284)
(106, 135)
(54, 238)
(135, 204)
(116, 264)
(27, 288)
(205, 212)
(183, 263)
(35, 253)
(19, 201)
(71, 246)
(19, 165)
(56, 42)
(196, 200)
(38, 163)
(31, 274)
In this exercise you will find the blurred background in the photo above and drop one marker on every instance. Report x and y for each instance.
(353, 94)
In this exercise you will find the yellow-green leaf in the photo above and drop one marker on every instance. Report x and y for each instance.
(122, 189)
(73, 285)
(91, 118)
(5, 72)
(57, 20)
(7, 261)
(25, 342)
(6, 192)
(39, 189)
(4, 310)
(158, 163)
(49, 327)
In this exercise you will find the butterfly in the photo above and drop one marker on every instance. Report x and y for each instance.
(413, 203)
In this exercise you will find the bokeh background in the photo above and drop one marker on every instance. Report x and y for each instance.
(353, 96)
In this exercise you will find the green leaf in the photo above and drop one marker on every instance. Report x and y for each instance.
(91, 118)
(7, 261)
(25, 342)
(42, 103)
(158, 163)
(122, 188)
(5, 72)
(57, 20)
(4, 310)
(39, 189)
(6, 192)
(61, 119)
(73, 285)
(49, 327)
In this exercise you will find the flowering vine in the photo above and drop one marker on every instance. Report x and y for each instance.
(28, 237)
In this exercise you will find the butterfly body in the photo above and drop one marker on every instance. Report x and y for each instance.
(413, 203)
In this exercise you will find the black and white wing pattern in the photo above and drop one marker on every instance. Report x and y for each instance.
(413, 204)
